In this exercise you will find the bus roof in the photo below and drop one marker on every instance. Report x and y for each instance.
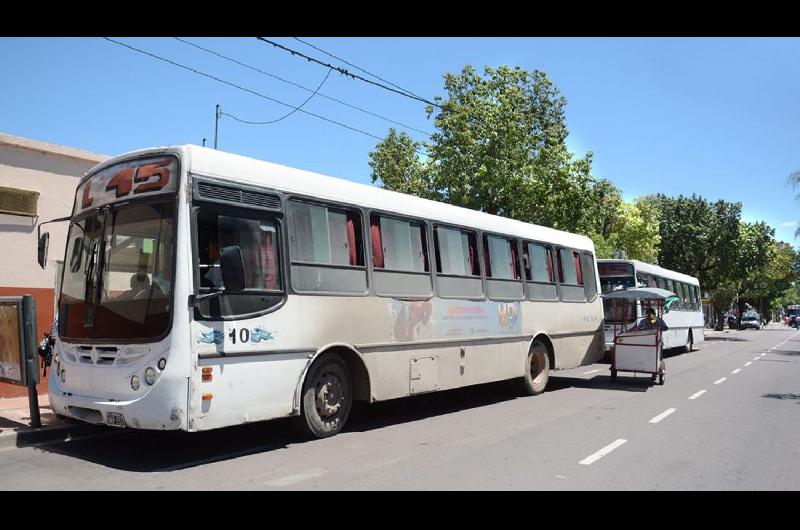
(641, 266)
(245, 170)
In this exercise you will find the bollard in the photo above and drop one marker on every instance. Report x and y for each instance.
(31, 368)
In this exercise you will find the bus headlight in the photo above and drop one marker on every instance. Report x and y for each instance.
(63, 376)
(150, 375)
(162, 363)
(135, 382)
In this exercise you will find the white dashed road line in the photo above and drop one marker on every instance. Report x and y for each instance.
(662, 415)
(602, 452)
(736, 371)
(697, 394)
(718, 381)
(748, 363)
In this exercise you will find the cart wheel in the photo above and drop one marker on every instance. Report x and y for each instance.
(653, 378)
(661, 373)
(661, 379)
(613, 375)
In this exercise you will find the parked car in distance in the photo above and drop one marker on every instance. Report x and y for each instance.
(751, 320)
(732, 321)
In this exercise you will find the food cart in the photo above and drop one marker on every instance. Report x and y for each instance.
(637, 339)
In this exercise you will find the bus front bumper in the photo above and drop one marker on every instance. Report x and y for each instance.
(159, 409)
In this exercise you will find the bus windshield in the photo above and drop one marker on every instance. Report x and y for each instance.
(118, 273)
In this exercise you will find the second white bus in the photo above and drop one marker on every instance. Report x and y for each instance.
(684, 318)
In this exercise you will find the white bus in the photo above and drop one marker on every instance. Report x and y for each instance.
(684, 318)
(203, 289)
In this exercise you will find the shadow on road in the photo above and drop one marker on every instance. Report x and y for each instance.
(783, 396)
(165, 451)
(725, 339)
(624, 383)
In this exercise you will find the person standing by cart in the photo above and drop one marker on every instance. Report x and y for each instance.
(651, 321)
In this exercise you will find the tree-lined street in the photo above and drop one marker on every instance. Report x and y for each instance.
(725, 419)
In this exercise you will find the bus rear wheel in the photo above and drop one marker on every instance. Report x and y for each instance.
(538, 370)
(327, 398)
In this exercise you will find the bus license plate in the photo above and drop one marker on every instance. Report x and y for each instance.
(116, 419)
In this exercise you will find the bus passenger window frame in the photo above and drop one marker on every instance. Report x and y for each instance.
(341, 271)
(397, 279)
(493, 283)
(458, 281)
(278, 296)
(531, 284)
(570, 287)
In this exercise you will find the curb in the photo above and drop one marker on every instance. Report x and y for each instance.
(51, 435)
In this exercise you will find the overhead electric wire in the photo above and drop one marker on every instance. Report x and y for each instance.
(286, 115)
(320, 94)
(344, 72)
(356, 67)
(245, 89)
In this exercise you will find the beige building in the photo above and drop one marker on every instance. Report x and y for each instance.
(37, 184)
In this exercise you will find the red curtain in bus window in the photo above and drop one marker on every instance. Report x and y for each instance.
(577, 258)
(424, 239)
(473, 261)
(268, 260)
(351, 239)
(487, 259)
(377, 243)
(559, 260)
(550, 273)
(515, 261)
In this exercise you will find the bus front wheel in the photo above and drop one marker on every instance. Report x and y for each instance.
(327, 397)
(538, 370)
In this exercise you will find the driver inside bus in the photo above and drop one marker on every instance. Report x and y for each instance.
(650, 321)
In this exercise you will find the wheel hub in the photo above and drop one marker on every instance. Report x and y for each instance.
(329, 395)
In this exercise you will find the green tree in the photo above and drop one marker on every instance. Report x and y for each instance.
(499, 146)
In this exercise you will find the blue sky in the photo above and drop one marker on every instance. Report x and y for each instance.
(719, 117)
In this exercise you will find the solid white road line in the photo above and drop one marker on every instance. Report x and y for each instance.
(593, 371)
(736, 371)
(718, 381)
(697, 394)
(662, 415)
(748, 363)
(602, 452)
(755, 358)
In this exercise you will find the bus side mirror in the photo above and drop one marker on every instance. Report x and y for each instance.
(44, 242)
(232, 267)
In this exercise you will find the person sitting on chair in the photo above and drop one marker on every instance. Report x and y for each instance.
(650, 321)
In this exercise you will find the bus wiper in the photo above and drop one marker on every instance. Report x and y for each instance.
(195, 298)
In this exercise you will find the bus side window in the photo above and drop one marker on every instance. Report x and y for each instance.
(400, 265)
(257, 239)
(326, 247)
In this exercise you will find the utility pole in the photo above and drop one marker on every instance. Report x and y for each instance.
(217, 114)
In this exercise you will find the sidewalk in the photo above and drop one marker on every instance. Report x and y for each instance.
(16, 430)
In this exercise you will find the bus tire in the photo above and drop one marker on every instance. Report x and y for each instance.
(690, 344)
(537, 370)
(327, 397)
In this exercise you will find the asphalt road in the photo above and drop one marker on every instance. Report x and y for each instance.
(697, 432)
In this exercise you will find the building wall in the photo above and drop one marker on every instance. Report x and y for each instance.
(54, 172)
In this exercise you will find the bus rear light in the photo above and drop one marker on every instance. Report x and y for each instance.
(207, 378)
(207, 370)
(207, 396)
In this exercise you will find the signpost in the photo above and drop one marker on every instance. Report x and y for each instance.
(18, 347)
